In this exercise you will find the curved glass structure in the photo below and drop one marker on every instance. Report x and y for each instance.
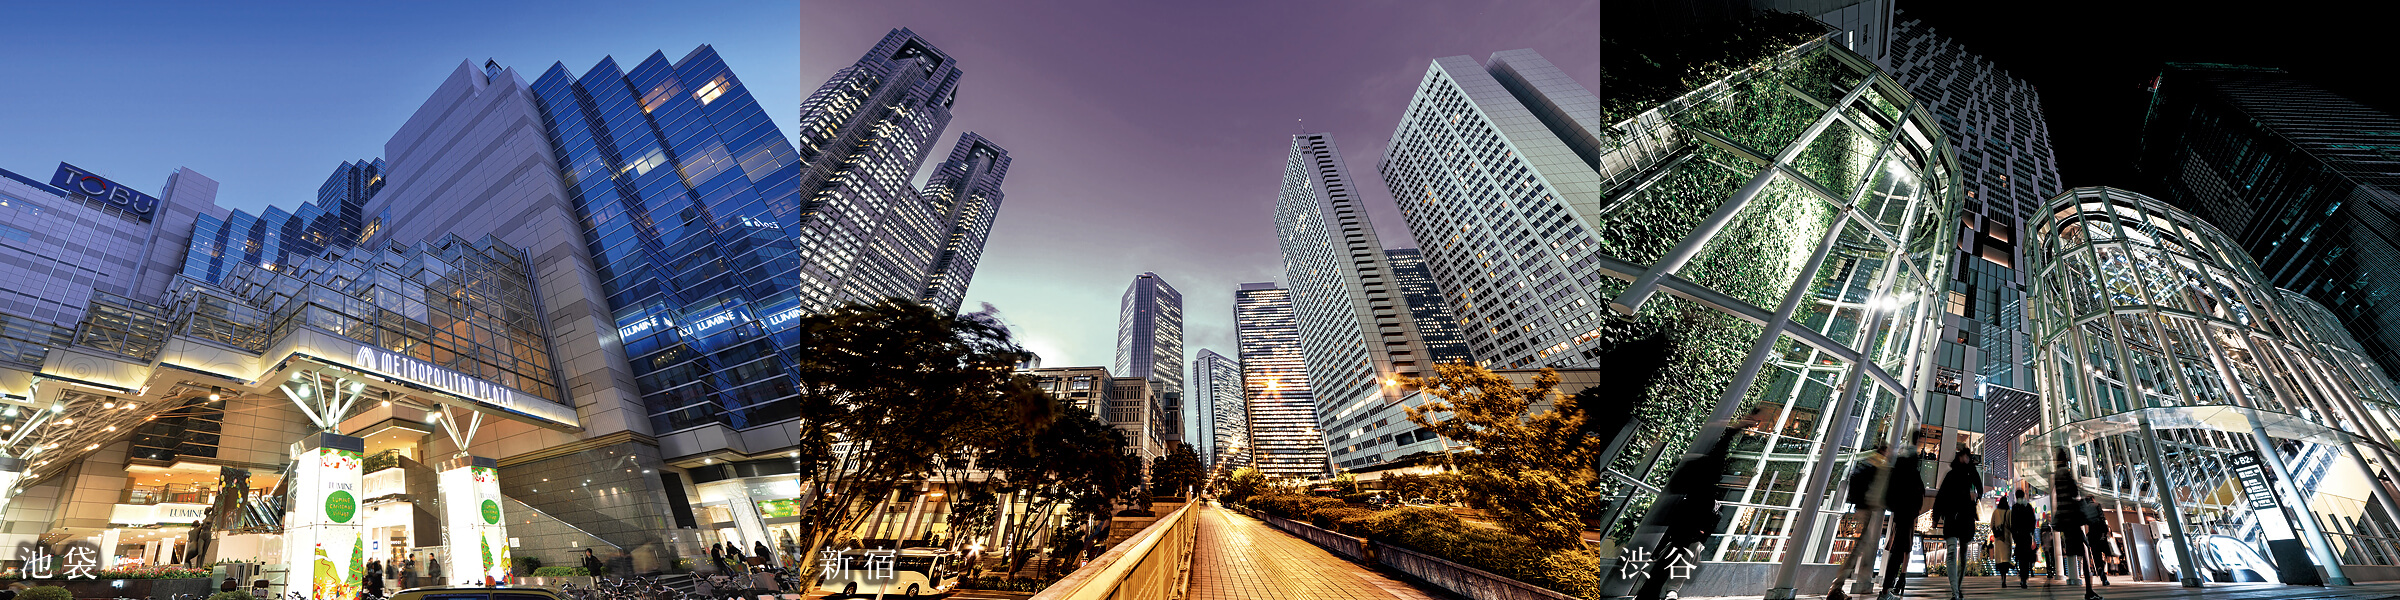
(1764, 233)
(2164, 355)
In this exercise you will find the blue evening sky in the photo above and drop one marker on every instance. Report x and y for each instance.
(267, 97)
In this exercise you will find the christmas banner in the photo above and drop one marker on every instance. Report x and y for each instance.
(477, 540)
(325, 543)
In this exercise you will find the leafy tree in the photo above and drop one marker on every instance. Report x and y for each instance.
(1176, 473)
(1345, 483)
(1242, 484)
(887, 392)
(1531, 472)
(1077, 462)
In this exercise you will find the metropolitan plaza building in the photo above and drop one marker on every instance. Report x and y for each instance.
(557, 315)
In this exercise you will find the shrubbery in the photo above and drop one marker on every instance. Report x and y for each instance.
(229, 596)
(559, 572)
(1437, 532)
(46, 592)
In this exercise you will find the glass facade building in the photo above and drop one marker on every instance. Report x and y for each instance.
(276, 236)
(2296, 175)
(1224, 436)
(1150, 343)
(1780, 239)
(1440, 330)
(1284, 438)
(2165, 353)
(1357, 331)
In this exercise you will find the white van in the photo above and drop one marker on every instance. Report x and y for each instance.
(909, 573)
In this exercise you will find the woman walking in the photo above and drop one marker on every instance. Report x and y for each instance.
(1954, 513)
(2000, 551)
(2095, 523)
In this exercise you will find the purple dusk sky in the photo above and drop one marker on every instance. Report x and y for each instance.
(1151, 136)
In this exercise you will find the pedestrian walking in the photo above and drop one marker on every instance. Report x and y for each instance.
(374, 579)
(2022, 523)
(591, 564)
(2067, 518)
(1954, 513)
(1865, 492)
(1905, 497)
(2096, 537)
(716, 557)
(1691, 512)
(2001, 552)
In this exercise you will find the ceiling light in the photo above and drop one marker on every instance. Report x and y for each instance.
(108, 405)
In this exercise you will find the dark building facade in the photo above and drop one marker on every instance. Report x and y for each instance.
(275, 236)
(2299, 177)
(1150, 343)
(1434, 321)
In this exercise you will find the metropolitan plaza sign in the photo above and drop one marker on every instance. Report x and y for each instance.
(434, 376)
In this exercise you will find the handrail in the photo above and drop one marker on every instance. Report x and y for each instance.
(1109, 574)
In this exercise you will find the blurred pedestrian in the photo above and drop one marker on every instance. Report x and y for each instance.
(2021, 525)
(591, 564)
(1866, 491)
(374, 579)
(2096, 537)
(1904, 496)
(2001, 553)
(1954, 512)
(1691, 512)
(2067, 519)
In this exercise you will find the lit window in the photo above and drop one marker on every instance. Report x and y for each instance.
(708, 93)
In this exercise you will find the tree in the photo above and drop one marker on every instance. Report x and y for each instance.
(1242, 484)
(887, 391)
(1532, 472)
(1176, 473)
(1077, 462)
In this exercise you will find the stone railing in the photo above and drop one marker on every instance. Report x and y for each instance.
(1154, 565)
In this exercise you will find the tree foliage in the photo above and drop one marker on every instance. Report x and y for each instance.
(1242, 484)
(1532, 472)
(1077, 462)
(891, 391)
(1177, 472)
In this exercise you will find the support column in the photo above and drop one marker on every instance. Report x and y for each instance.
(1803, 526)
(2186, 571)
(324, 543)
(472, 532)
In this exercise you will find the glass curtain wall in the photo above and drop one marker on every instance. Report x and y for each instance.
(2145, 316)
(1838, 246)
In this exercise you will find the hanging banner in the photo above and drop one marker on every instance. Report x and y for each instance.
(325, 543)
(474, 536)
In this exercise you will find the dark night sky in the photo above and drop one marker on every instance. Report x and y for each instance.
(2092, 60)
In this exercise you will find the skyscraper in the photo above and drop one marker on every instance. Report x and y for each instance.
(965, 192)
(1495, 168)
(1217, 391)
(862, 136)
(335, 220)
(1442, 340)
(1356, 327)
(2299, 177)
(2006, 171)
(1284, 438)
(1150, 343)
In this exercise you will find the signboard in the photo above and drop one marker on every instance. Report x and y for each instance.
(80, 181)
(475, 535)
(2252, 471)
(325, 541)
(427, 374)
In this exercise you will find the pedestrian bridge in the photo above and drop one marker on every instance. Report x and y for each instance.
(1202, 552)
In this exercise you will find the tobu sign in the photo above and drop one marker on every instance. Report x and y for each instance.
(80, 181)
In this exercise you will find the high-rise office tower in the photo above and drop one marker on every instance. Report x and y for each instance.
(1496, 169)
(2298, 176)
(1442, 340)
(965, 192)
(1217, 393)
(335, 220)
(1284, 438)
(1150, 343)
(2006, 171)
(1356, 329)
(862, 136)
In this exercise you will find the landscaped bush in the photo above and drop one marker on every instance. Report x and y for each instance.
(155, 572)
(46, 592)
(559, 572)
(1336, 518)
(229, 596)
(1292, 507)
